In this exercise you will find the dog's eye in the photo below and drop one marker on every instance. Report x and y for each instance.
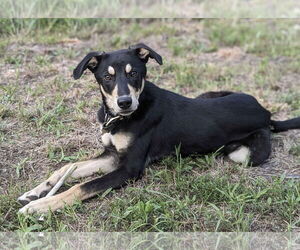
(107, 77)
(133, 73)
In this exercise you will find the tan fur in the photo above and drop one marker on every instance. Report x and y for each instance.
(143, 53)
(111, 70)
(135, 96)
(135, 93)
(57, 201)
(111, 100)
(121, 140)
(142, 87)
(93, 62)
(128, 68)
(105, 165)
(85, 168)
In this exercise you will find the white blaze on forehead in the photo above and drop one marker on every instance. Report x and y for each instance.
(128, 68)
(111, 70)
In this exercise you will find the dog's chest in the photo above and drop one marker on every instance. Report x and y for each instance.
(120, 140)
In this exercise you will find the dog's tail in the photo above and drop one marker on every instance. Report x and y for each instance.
(280, 126)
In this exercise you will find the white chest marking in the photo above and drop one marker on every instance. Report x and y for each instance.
(120, 140)
(106, 139)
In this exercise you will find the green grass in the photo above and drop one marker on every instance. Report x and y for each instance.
(256, 36)
(185, 201)
(47, 119)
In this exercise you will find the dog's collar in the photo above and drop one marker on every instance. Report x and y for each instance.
(110, 122)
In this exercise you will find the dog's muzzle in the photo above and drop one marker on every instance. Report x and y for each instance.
(124, 102)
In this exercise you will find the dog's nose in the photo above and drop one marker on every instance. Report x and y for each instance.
(124, 102)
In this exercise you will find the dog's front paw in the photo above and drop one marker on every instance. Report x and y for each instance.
(43, 205)
(28, 197)
(34, 194)
(40, 206)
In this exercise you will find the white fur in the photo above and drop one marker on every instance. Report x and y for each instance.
(240, 155)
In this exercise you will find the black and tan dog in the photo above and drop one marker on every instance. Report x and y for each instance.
(142, 122)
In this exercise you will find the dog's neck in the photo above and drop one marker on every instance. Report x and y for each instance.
(110, 120)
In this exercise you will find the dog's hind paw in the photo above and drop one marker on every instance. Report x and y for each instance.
(240, 155)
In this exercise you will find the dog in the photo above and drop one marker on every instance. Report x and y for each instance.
(141, 123)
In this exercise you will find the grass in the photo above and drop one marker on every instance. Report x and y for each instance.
(183, 202)
(255, 36)
(47, 120)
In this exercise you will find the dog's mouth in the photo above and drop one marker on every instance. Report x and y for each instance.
(126, 112)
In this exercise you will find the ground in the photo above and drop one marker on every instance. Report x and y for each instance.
(47, 119)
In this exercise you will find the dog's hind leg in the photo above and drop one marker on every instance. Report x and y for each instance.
(106, 163)
(255, 149)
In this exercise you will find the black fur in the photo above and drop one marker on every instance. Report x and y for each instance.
(280, 126)
(164, 120)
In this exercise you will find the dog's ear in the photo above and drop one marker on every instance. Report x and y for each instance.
(90, 61)
(144, 52)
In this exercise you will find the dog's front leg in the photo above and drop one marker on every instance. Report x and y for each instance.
(130, 166)
(106, 163)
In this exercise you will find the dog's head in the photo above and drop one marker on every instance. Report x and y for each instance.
(120, 74)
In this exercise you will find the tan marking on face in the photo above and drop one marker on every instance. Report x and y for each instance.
(111, 70)
(133, 92)
(128, 68)
(111, 99)
(121, 140)
(115, 92)
(103, 91)
(143, 53)
(142, 87)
